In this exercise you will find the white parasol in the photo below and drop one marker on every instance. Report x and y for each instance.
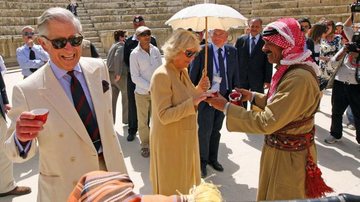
(206, 17)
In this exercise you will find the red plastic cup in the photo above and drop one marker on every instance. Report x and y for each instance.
(235, 97)
(41, 114)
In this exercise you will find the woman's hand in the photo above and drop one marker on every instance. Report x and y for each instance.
(204, 83)
(201, 97)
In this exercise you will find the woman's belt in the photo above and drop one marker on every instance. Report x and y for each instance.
(289, 142)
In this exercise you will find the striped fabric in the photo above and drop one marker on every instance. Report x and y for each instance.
(83, 108)
(101, 186)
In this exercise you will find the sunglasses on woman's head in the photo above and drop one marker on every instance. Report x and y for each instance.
(189, 53)
(61, 42)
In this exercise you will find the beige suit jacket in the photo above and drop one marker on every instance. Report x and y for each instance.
(65, 148)
(7, 181)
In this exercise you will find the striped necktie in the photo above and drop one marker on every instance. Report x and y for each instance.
(83, 108)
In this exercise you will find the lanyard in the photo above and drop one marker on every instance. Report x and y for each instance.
(215, 63)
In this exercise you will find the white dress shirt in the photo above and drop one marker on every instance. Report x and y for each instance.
(142, 67)
(257, 37)
(216, 67)
(22, 56)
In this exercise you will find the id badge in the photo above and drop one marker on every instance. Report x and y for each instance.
(217, 79)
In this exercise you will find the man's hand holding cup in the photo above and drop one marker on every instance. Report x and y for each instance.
(246, 95)
(29, 124)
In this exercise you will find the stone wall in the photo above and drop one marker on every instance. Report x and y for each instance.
(14, 15)
(101, 17)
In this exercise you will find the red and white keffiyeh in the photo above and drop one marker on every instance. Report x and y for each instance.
(292, 40)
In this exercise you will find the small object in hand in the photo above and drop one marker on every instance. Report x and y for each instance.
(235, 98)
(213, 92)
(40, 114)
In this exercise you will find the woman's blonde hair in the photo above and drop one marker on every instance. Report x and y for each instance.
(179, 41)
(204, 192)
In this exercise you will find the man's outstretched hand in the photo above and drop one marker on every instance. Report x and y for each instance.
(218, 102)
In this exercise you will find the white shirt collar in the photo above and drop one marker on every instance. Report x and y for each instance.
(256, 37)
(60, 73)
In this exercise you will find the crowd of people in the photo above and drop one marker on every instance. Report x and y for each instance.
(176, 105)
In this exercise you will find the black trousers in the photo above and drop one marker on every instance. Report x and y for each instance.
(210, 122)
(132, 115)
(344, 95)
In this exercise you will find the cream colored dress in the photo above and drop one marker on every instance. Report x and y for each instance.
(174, 159)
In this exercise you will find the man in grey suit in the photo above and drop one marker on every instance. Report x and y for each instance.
(118, 74)
(254, 69)
(222, 70)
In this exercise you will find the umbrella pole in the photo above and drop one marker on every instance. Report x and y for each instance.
(204, 72)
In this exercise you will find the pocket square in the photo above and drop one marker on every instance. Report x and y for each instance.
(105, 85)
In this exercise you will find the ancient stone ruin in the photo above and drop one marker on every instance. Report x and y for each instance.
(101, 17)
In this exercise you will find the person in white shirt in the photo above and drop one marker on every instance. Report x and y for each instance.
(345, 85)
(144, 59)
(30, 56)
(349, 28)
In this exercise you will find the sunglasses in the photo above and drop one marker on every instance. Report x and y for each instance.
(61, 42)
(28, 33)
(189, 53)
(146, 33)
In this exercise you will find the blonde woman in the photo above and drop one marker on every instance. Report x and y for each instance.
(174, 161)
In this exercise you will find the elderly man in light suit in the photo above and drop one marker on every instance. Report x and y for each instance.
(67, 151)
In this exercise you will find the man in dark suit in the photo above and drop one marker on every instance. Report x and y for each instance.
(130, 44)
(254, 69)
(222, 70)
(7, 182)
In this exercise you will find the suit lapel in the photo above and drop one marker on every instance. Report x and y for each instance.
(55, 94)
(2, 108)
(260, 43)
(228, 63)
(258, 46)
(247, 46)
